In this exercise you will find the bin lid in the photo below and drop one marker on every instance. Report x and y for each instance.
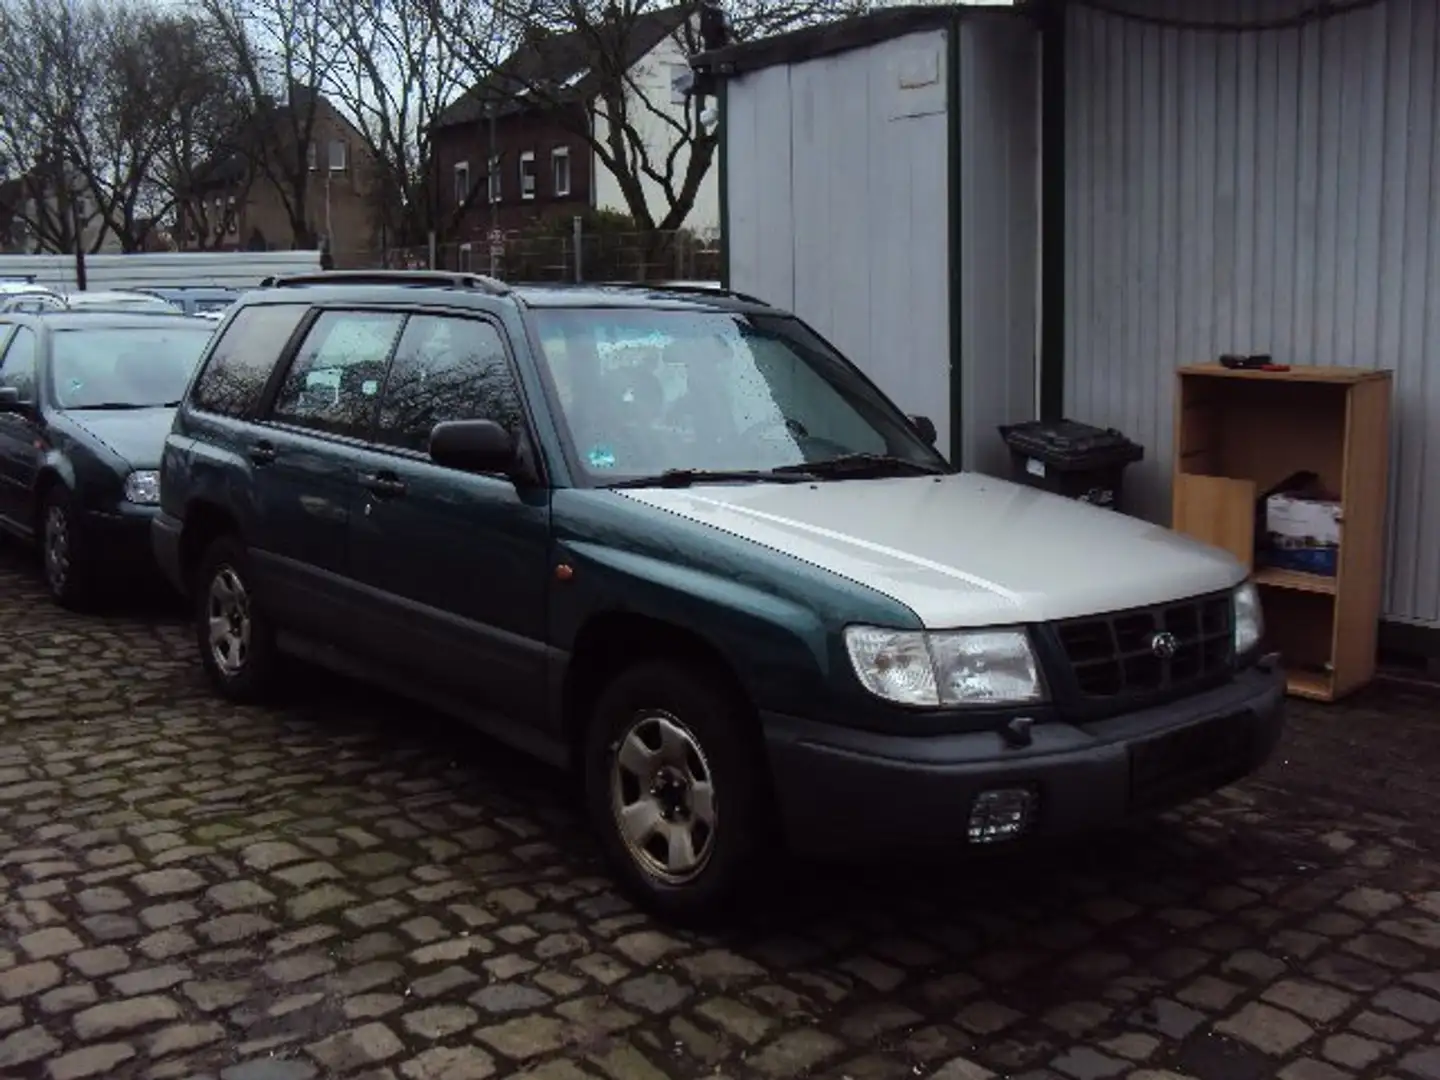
(1069, 442)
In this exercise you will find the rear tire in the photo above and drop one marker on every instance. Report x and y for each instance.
(64, 553)
(236, 639)
(675, 787)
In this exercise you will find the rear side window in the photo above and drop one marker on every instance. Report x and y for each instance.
(446, 368)
(243, 358)
(17, 367)
(334, 381)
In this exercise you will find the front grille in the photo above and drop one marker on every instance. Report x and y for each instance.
(1114, 658)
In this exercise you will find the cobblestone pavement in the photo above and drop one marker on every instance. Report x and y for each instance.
(350, 888)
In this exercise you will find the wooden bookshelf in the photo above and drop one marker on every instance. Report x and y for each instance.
(1237, 434)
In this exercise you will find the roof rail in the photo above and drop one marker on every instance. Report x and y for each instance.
(440, 278)
(686, 287)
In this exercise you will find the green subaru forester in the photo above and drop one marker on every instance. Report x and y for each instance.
(672, 539)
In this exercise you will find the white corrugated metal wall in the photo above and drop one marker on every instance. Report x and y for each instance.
(998, 234)
(1260, 192)
(836, 177)
(161, 269)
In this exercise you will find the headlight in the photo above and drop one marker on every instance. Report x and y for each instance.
(1249, 621)
(143, 487)
(953, 667)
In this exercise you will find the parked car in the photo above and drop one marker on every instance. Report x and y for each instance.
(15, 286)
(86, 401)
(27, 296)
(681, 543)
(117, 300)
(206, 301)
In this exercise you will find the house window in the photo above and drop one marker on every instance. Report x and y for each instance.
(464, 259)
(462, 182)
(234, 216)
(312, 155)
(494, 176)
(680, 78)
(339, 154)
(527, 175)
(560, 169)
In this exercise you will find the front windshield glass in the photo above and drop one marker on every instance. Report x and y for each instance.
(124, 367)
(643, 391)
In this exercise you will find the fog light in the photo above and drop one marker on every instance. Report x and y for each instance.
(1002, 814)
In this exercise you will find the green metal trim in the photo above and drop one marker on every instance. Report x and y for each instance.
(1052, 211)
(956, 240)
(723, 180)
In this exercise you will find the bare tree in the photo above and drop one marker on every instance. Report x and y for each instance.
(40, 111)
(207, 120)
(91, 151)
(161, 85)
(657, 152)
(395, 72)
(283, 51)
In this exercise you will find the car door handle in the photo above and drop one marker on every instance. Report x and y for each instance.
(262, 453)
(385, 484)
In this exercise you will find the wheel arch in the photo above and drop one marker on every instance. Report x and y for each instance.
(205, 522)
(612, 641)
(51, 475)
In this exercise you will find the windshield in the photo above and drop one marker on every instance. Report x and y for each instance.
(643, 391)
(124, 367)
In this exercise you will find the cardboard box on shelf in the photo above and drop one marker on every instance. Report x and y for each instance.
(1302, 532)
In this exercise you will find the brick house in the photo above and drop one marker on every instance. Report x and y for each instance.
(237, 206)
(541, 167)
(32, 197)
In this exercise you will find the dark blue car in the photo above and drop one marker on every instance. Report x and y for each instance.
(206, 301)
(86, 401)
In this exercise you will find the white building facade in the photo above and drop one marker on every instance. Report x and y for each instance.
(659, 111)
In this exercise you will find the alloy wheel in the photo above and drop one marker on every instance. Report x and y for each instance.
(663, 798)
(228, 613)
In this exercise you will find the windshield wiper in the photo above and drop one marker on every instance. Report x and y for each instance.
(110, 406)
(860, 464)
(676, 478)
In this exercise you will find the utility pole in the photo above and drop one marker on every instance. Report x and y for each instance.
(77, 227)
(491, 167)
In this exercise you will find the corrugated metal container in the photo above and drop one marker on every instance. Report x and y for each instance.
(1258, 192)
(162, 269)
(878, 179)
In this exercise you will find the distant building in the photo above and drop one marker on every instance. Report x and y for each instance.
(29, 200)
(236, 206)
(542, 168)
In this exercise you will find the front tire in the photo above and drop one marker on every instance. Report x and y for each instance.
(675, 787)
(236, 639)
(63, 553)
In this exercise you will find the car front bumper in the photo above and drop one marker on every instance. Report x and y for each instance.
(118, 538)
(164, 541)
(843, 792)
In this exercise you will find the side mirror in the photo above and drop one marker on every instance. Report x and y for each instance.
(925, 428)
(473, 446)
(10, 400)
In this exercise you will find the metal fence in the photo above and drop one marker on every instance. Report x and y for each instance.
(574, 256)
